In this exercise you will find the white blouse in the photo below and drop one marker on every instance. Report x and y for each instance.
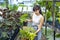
(36, 19)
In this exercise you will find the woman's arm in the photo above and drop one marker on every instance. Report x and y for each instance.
(29, 20)
(40, 25)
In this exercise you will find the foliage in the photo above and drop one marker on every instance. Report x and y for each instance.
(21, 5)
(7, 26)
(10, 7)
(3, 4)
(48, 15)
(58, 19)
(57, 35)
(23, 18)
(28, 33)
(49, 31)
(13, 7)
(58, 3)
(41, 3)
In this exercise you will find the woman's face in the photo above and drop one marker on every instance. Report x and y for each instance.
(36, 12)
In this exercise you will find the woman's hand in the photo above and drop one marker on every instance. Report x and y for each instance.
(28, 20)
(38, 29)
(35, 32)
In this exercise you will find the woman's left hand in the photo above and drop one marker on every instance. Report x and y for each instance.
(38, 29)
(36, 32)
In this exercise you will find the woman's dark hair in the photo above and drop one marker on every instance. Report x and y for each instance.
(37, 7)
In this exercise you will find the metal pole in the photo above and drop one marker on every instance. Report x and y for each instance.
(46, 20)
(53, 16)
(6, 3)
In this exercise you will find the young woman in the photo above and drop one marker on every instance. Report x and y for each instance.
(37, 21)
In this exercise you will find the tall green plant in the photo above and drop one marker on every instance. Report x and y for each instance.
(13, 7)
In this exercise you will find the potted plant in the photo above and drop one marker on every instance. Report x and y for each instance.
(27, 33)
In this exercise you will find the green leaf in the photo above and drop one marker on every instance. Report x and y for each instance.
(58, 3)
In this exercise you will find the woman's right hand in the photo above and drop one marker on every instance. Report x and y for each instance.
(28, 20)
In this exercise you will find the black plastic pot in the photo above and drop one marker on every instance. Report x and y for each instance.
(24, 23)
(15, 33)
